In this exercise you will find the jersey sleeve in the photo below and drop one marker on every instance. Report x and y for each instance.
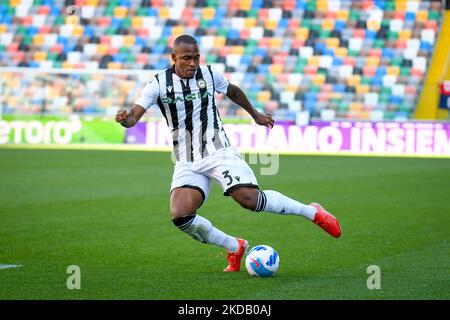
(220, 82)
(149, 94)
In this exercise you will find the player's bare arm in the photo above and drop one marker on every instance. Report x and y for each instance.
(238, 96)
(129, 118)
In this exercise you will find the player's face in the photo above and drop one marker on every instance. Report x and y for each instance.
(186, 58)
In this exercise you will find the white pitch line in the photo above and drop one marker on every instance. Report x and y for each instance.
(9, 266)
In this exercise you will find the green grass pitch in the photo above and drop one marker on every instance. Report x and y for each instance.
(108, 213)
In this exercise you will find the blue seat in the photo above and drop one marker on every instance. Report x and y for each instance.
(309, 105)
(119, 57)
(381, 71)
(387, 52)
(263, 68)
(339, 25)
(337, 61)
(339, 87)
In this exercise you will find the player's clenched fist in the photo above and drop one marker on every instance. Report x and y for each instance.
(121, 115)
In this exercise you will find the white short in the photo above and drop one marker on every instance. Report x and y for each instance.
(225, 166)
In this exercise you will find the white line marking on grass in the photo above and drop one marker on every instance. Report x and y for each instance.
(9, 266)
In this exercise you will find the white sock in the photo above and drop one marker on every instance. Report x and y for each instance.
(276, 202)
(201, 229)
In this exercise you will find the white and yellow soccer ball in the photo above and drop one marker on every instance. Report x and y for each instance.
(262, 261)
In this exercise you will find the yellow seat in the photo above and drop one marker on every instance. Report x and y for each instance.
(249, 22)
(362, 89)
(275, 43)
(208, 13)
(114, 65)
(3, 28)
(318, 79)
(40, 55)
(355, 106)
(102, 49)
(128, 41)
(328, 24)
(164, 13)
(404, 34)
(93, 3)
(245, 4)
(271, 24)
(78, 31)
(72, 20)
(400, 5)
(136, 22)
(120, 12)
(275, 69)
(238, 50)
(263, 96)
(302, 33)
(354, 80)
(14, 3)
(322, 5)
(342, 15)
(178, 31)
(291, 87)
(332, 42)
(421, 16)
(341, 52)
(67, 65)
(219, 41)
(393, 70)
(314, 61)
(38, 39)
(372, 62)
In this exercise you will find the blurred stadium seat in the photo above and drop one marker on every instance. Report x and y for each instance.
(312, 55)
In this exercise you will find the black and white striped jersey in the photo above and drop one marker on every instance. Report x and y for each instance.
(190, 110)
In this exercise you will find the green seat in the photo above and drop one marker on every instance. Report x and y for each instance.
(271, 79)
(211, 58)
(397, 61)
(142, 12)
(366, 80)
(212, 3)
(252, 13)
(354, 15)
(378, 44)
(130, 57)
(389, 6)
(205, 23)
(311, 5)
(162, 41)
(405, 71)
(126, 23)
(434, 15)
(110, 31)
(392, 35)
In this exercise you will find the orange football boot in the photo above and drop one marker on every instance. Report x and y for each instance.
(234, 258)
(326, 221)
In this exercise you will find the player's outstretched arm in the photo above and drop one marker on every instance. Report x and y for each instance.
(129, 118)
(238, 96)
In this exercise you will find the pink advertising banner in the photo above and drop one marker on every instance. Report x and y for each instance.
(339, 137)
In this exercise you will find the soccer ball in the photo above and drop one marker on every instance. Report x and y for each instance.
(262, 261)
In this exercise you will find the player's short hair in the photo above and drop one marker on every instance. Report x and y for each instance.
(185, 38)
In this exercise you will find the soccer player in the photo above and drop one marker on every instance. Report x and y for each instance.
(185, 95)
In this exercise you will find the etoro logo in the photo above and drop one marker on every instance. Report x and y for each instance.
(36, 132)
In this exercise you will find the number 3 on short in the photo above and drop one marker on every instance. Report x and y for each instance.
(227, 176)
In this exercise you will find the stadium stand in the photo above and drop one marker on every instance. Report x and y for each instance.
(288, 55)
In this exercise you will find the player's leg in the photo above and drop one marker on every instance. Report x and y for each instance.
(238, 180)
(184, 202)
